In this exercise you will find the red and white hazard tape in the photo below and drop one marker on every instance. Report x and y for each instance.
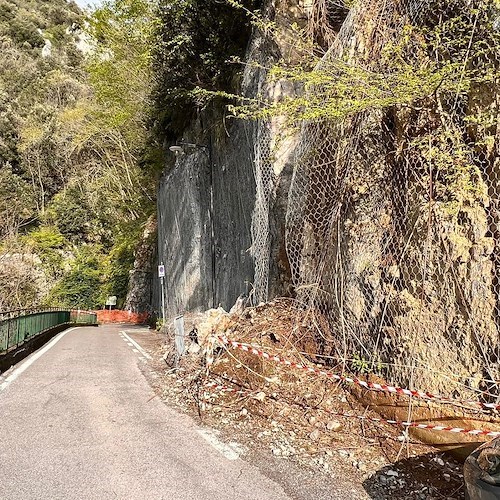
(353, 380)
(400, 423)
(430, 427)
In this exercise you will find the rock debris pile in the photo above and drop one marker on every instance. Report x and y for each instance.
(293, 414)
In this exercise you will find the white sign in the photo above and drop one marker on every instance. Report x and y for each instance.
(161, 271)
(111, 301)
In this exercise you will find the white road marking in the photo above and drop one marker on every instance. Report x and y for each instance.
(135, 350)
(17, 371)
(138, 347)
(221, 447)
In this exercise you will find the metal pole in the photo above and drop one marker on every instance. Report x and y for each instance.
(163, 299)
(162, 285)
(212, 222)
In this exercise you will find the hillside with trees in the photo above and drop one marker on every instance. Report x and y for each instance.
(90, 103)
(76, 186)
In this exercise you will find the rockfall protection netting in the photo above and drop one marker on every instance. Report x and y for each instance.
(265, 181)
(393, 220)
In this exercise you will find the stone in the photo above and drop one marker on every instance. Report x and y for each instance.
(333, 425)
(315, 435)
(194, 348)
(260, 396)
(392, 473)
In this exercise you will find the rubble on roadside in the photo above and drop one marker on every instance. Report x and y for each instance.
(293, 414)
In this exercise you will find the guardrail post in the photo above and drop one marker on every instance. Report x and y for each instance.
(8, 334)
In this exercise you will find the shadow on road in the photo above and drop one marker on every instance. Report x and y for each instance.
(425, 477)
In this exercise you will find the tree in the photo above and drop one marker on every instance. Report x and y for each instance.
(74, 140)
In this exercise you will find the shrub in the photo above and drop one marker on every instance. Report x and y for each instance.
(81, 286)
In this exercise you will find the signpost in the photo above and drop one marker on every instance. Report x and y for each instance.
(161, 275)
(111, 302)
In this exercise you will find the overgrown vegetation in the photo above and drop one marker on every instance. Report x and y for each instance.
(76, 166)
(423, 63)
(193, 49)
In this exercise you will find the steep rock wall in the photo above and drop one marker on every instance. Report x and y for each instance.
(141, 278)
(184, 234)
(205, 209)
(391, 223)
(222, 201)
(391, 228)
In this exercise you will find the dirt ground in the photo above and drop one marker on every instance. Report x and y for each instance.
(292, 419)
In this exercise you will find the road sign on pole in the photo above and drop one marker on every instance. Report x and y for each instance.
(161, 271)
(111, 301)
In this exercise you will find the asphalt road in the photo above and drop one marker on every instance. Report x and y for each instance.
(81, 422)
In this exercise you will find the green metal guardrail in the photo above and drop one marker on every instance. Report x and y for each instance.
(82, 317)
(17, 327)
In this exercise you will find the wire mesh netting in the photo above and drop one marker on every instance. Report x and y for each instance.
(264, 192)
(392, 225)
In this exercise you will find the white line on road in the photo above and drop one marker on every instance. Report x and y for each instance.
(139, 348)
(221, 447)
(17, 371)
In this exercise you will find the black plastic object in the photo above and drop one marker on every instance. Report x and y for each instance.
(482, 472)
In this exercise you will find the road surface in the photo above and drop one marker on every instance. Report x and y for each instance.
(81, 422)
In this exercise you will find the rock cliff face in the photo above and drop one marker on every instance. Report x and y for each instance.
(205, 211)
(141, 280)
(382, 222)
(392, 212)
(222, 202)
(204, 221)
